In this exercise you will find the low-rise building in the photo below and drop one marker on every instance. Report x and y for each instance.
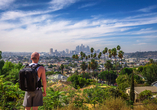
(138, 90)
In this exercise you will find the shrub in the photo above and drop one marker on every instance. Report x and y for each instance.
(145, 95)
(78, 81)
(116, 104)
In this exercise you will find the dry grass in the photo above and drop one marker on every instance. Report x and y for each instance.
(116, 104)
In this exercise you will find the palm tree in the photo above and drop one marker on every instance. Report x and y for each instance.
(109, 51)
(99, 56)
(89, 67)
(92, 50)
(86, 58)
(104, 54)
(93, 65)
(82, 58)
(151, 60)
(94, 55)
(114, 53)
(83, 67)
(110, 56)
(105, 50)
(73, 56)
(81, 53)
(62, 67)
(120, 55)
(108, 65)
(76, 56)
(84, 55)
(118, 47)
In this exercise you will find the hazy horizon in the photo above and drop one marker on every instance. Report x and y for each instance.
(37, 25)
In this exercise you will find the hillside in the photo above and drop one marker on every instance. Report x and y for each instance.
(149, 54)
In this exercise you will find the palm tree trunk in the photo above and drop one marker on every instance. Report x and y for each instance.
(93, 73)
(108, 76)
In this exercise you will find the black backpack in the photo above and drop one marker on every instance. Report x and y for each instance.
(28, 78)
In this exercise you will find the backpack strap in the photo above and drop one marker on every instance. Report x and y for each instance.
(26, 65)
(35, 67)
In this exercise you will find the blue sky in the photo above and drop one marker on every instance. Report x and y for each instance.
(38, 25)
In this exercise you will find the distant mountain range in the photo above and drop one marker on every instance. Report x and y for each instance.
(149, 54)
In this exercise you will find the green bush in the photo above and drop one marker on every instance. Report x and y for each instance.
(145, 95)
(54, 99)
(78, 81)
(10, 95)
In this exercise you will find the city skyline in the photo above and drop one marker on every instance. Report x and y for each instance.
(37, 25)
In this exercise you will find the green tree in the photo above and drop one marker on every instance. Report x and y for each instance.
(81, 53)
(120, 55)
(127, 71)
(89, 66)
(114, 53)
(150, 73)
(93, 65)
(83, 67)
(62, 67)
(123, 82)
(78, 81)
(88, 56)
(92, 50)
(108, 65)
(103, 75)
(132, 94)
(54, 99)
(118, 47)
(140, 69)
(94, 95)
(73, 56)
(106, 50)
(10, 95)
(1, 65)
(49, 73)
(145, 95)
(110, 53)
(84, 55)
(99, 56)
(94, 56)
(151, 60)
(76, 57)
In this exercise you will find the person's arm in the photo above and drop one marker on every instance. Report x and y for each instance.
(43, 78)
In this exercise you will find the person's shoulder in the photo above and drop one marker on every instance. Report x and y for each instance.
(41, 67)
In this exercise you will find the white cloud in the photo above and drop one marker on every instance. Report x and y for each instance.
(60, 4)
(87, 5)
(55, 5)
(148, 9)
(141, 43)
(43, 29)
(12, 15)
(5, 3)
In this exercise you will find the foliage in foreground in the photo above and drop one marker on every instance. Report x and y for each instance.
(78, 81)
